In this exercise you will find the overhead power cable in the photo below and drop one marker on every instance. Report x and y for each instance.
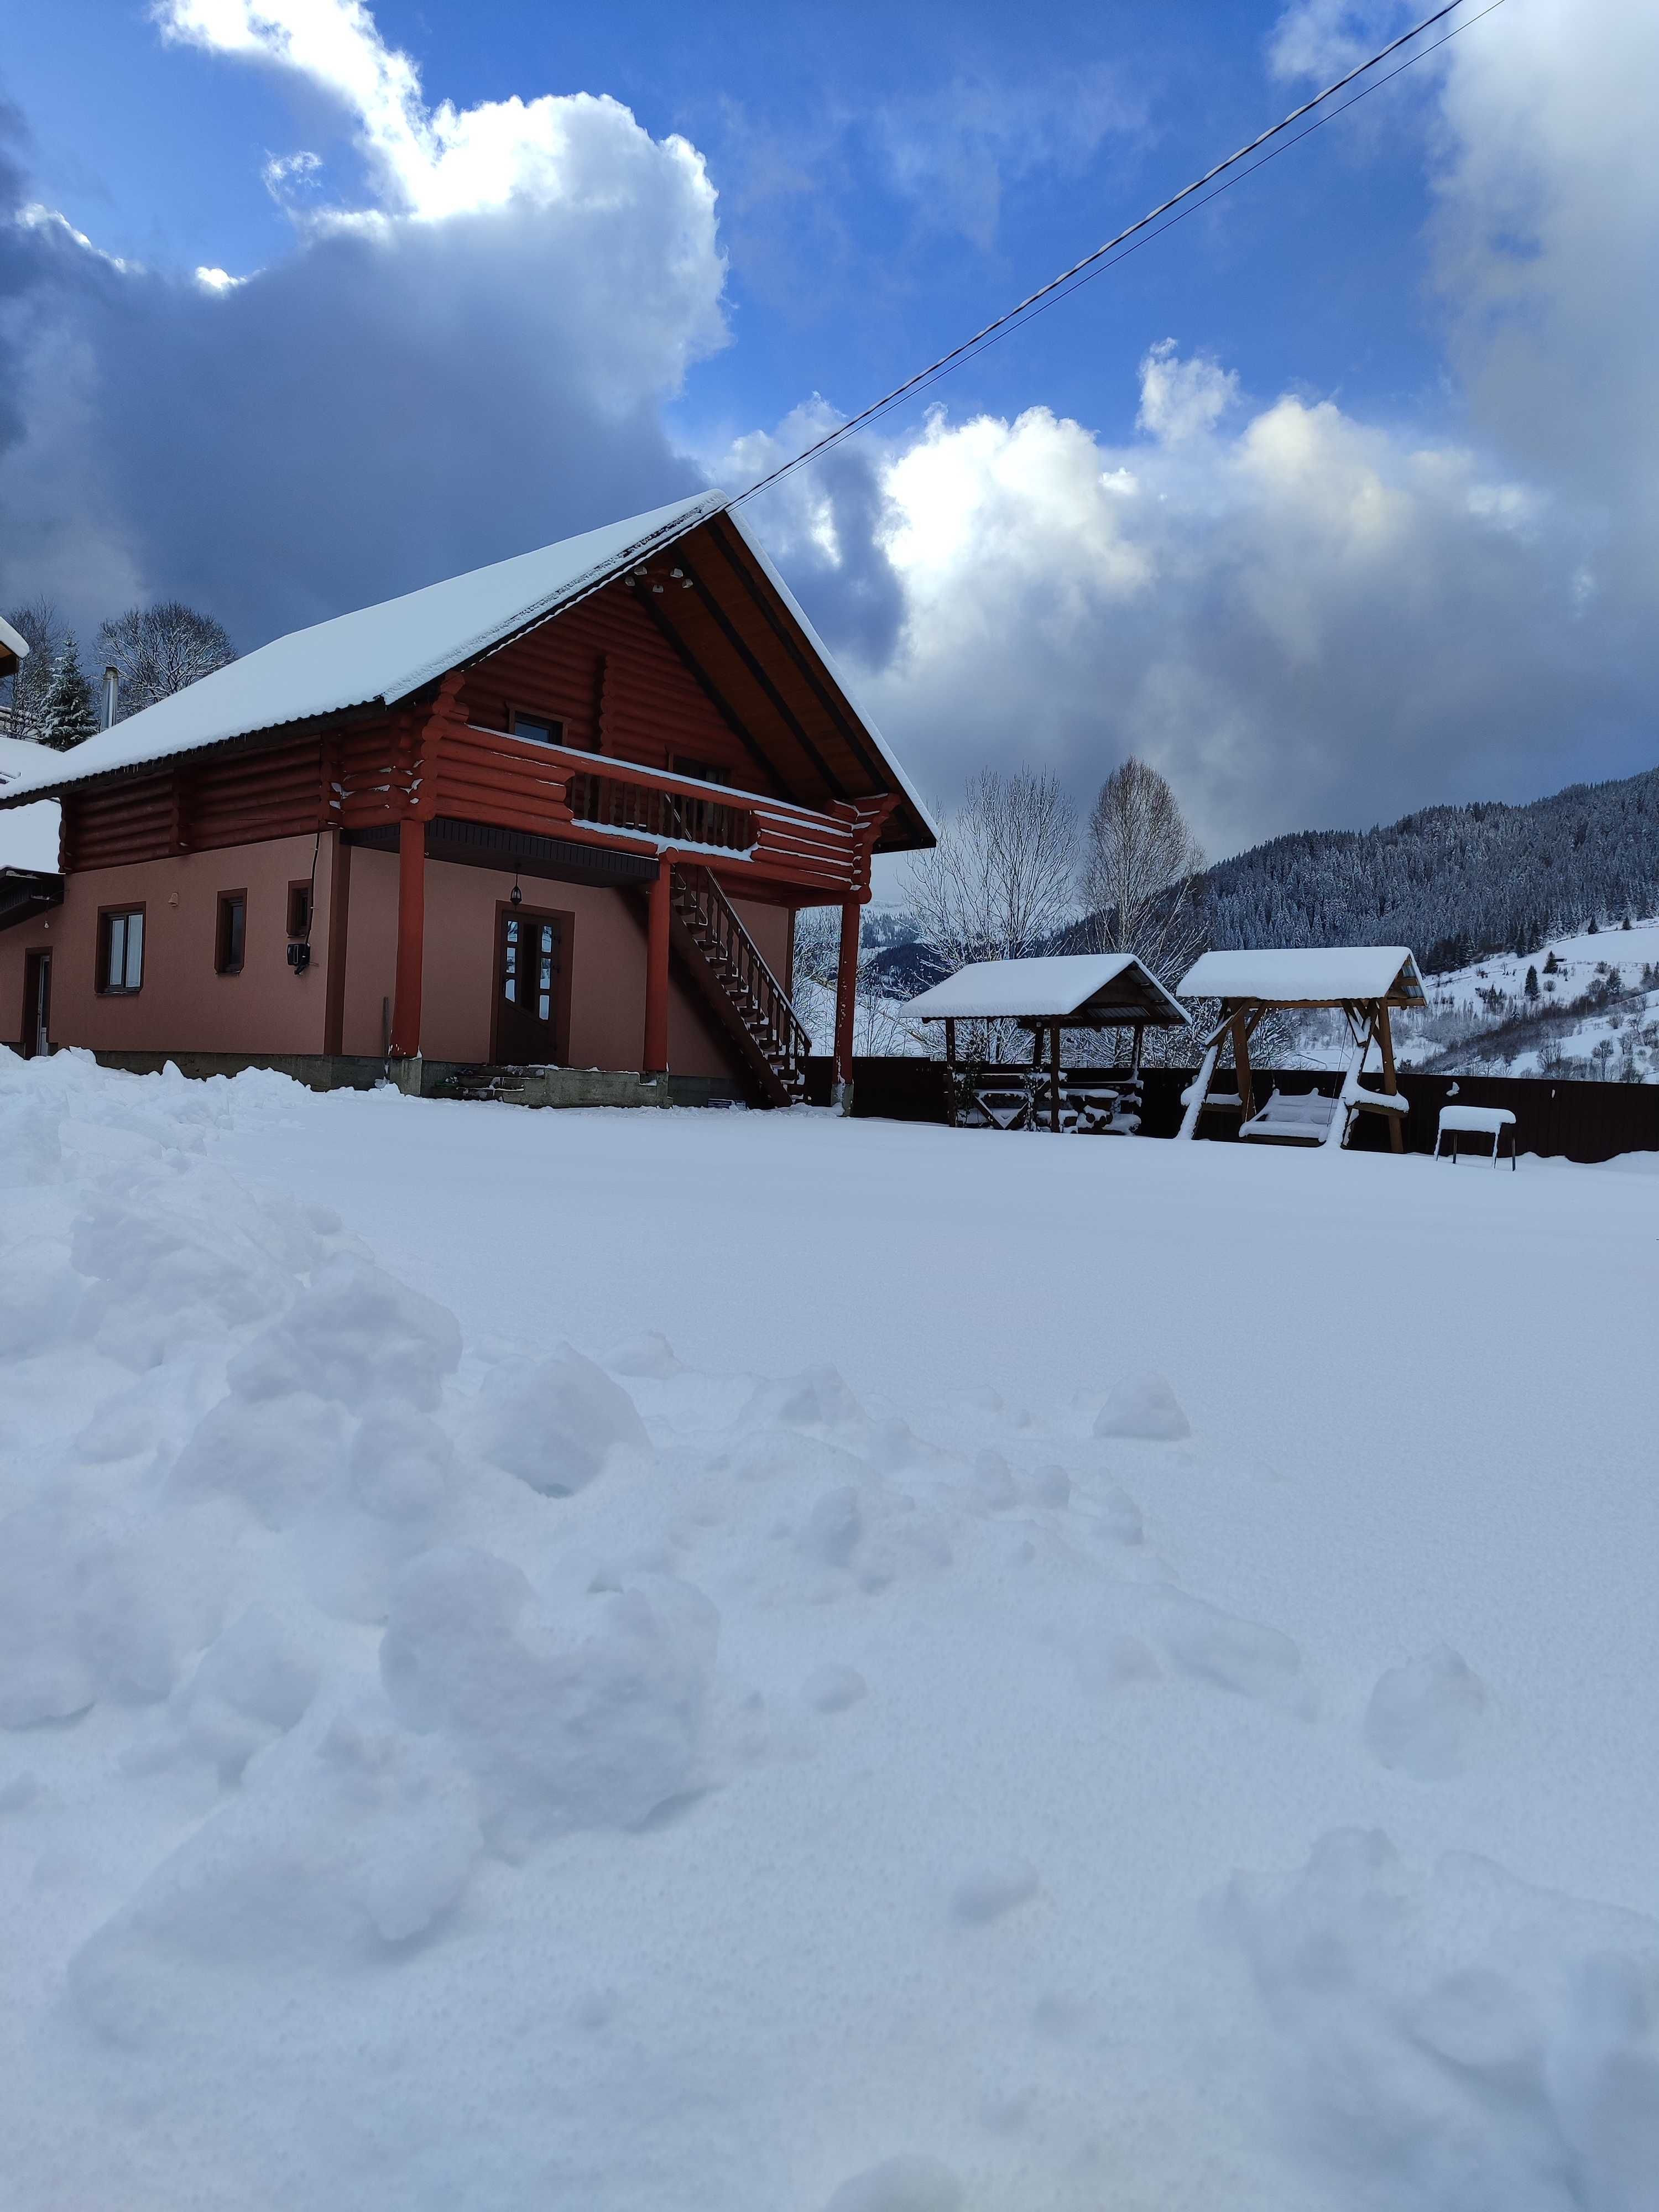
(1143, 231)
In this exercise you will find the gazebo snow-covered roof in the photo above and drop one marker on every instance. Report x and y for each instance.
(1081, 990)
(1311, 975)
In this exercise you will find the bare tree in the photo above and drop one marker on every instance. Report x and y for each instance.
(1000, 884)
(41, 628)
(878, 1028)
(1140, 865)
(1140, 885)
(156, 651)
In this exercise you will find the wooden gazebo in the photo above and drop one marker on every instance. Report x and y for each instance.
(1365, 982)
(1045, 997)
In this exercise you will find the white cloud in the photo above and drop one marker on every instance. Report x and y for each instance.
(1301, 618)
(468, 358)
(427, 163)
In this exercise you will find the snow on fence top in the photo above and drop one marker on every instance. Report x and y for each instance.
(1082, 989)
(1315, 975)
(380, 653)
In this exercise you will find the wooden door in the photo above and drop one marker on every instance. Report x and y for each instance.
(37, 1004)
(530, 987)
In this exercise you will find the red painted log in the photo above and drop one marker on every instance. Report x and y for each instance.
(411, 938)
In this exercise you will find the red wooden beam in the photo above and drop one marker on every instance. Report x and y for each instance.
(847, 981)
(656, 971)
(411, 938)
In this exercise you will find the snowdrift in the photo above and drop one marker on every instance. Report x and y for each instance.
(484, 1775)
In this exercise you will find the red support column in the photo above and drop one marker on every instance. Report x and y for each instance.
(847, 983)
(656, 971)
(411, 938)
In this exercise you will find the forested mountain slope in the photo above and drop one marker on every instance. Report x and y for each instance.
(1455, 882)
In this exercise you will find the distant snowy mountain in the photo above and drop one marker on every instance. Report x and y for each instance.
(1455, 883)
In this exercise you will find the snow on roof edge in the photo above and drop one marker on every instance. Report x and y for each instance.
(923, 811)
(1300, 972)
(685, 516)
(10, 638)
(1047, 986)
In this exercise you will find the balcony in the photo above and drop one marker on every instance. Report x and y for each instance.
(678, 817)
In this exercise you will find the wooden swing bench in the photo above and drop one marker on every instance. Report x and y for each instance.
(1365, 982)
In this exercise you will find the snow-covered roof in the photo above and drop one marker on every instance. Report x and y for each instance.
(28, 836)
(1052, 989)
(380, 653)
(11, 642)
(1307, 975)
(385, 653)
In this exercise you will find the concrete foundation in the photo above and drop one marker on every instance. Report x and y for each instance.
(439, 1078)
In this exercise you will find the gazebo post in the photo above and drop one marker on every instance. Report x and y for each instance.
(1138, 1033)
(1242, 1062)
(949, 1042)
(1054, 1079)
(1385, 1038)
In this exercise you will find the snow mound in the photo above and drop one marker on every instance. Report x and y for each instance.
(1425, 1717)
(1458, 2041)
(1146, 1408)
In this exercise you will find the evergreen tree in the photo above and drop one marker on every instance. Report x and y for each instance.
(68, 716)
(1551, 963)
(1595, 929)
(1532, 982)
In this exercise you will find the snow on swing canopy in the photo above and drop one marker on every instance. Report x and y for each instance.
(1309, 975)
(1081, 990)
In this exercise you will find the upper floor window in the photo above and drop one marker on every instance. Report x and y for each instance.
(230, 938)
(539, 728)
(703, 771)
(121, 949)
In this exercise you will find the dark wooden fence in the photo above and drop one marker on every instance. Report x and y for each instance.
(1565, 1120)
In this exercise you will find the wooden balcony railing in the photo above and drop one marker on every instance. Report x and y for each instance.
(678, 817)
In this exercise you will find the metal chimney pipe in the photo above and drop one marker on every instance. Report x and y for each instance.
(112, 681)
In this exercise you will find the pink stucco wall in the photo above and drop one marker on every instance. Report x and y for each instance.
(185, 1007)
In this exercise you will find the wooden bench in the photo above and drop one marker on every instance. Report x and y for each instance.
(1475, 1120)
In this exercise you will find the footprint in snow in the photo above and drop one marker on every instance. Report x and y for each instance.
(992, 1889)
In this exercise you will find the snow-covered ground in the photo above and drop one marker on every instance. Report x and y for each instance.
(1112, 1674)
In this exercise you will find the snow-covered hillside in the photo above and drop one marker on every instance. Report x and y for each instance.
(1088, 1674)
(1593, 1010)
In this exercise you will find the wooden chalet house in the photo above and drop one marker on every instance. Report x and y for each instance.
(557, 812)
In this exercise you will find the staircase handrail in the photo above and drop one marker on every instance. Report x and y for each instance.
(718, 913)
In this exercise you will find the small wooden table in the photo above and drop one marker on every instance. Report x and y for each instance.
(1475, 1120)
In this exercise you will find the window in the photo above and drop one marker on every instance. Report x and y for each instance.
(685, 764)
(299, 909)
(230, 937)
(537, 727)
(121, 949)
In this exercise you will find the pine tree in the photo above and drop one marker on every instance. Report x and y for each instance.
(1532, 982)
(1595, 929)
(68, 716)
(1551, 963)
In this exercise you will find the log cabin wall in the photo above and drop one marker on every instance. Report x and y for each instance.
(617, 685)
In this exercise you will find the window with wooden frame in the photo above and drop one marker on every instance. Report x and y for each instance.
(120, 949)
(230, 933)
(540, 729)
(701, 770)
(299, 908)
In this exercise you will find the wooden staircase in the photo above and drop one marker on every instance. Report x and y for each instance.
(726, 964)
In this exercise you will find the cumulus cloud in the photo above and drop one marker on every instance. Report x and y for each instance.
(468, 357)
(1299, 618)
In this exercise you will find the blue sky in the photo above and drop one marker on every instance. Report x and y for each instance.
(1364, 536)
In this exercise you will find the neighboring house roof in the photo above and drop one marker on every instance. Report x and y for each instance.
(1308, 976)
(1085, 988)
(13, 649)
(28, 836)
(385, 653)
